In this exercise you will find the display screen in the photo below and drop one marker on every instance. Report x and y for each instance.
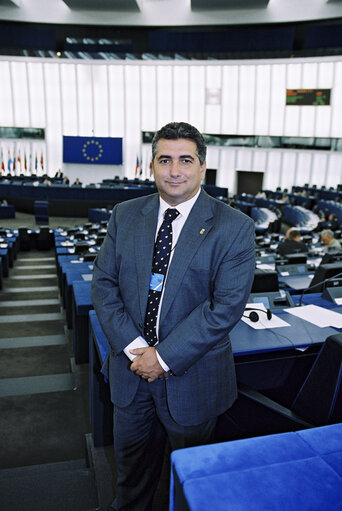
(313, 97)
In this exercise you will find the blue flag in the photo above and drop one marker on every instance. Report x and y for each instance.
(93, 150)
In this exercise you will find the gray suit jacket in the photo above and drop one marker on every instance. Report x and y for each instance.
(208, 284)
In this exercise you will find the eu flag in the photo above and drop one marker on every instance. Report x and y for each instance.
(94, 150)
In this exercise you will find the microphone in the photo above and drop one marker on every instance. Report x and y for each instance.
(317, 285)
(254, 316)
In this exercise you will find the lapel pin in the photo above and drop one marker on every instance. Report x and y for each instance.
(202, 231)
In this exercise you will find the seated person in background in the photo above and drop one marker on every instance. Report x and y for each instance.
(261, 195)
(47, 181)
(292, 243)
(59, 174)
(77, 182)
(284, 199)
(3, 202)
(327, 237)
(65, 180)
(333, 222)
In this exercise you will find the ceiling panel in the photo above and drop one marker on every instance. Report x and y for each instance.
(103, 5)
(228, 4)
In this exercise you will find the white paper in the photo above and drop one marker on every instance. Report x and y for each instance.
(316, 315)
(338, 301)
(264, 266)
(263, 322)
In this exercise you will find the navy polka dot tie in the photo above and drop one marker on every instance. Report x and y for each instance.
(161, 258)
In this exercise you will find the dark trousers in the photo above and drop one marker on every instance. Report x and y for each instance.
(140, 432)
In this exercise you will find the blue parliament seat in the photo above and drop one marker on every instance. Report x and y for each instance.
(294, 471)
(41, 212)
(7, 211)
(81, 305)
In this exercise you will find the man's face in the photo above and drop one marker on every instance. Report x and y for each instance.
(177, 170)
(325, 239)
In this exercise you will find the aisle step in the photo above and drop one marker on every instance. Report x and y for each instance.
(25, 318)
(38, 289)
(36, 384)
(29, 303)
(20, 258)
(33, 342)
(35, 267)
(32, 276)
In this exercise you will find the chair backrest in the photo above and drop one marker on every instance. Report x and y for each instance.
(319, 401)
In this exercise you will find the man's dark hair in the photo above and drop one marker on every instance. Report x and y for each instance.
(176, 130)
(293, 234)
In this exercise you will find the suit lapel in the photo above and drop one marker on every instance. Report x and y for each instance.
(195, 230)
(146, 224)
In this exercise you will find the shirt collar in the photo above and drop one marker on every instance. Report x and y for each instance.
(184, 208)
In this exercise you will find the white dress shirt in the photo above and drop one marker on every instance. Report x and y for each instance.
(177, 225)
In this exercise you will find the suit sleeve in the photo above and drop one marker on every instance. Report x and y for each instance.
(116, 323)
(212, 320)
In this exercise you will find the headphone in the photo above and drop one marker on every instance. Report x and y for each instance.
(254, 316)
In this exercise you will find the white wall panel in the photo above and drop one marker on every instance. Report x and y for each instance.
(148, 98)
(37, 94)
(164, 95)
(303, 168)
(6, 98)
(100, 101)
(319, 169)
(226, 175)
(116, 101)
(180, 93)
(334, 170)
(262, 100)
(69, 99)
(272, 176)
(84, 100)
(197, 96)
(53, 132)
(132, 135)
(288, 169)
(259, 160)
(277, 99)
(246, 119)
(213, 99)
(244, 159)
(336, 102)
(20, 94)
(230, 94)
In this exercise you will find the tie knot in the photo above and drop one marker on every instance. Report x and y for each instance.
(171, 214)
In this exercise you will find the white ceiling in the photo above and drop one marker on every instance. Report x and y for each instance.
(168, 12)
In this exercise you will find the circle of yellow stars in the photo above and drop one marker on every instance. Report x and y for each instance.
(93, 145)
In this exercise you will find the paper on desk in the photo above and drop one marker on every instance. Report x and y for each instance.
(263, 322)
(317, 315)
(264, 266)
(338, 301)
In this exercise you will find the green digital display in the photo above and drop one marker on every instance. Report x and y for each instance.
(308, 97)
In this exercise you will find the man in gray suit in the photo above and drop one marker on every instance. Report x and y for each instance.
(171, 368)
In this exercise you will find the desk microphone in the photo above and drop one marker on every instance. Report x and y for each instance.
(317, 285)
(254, 316)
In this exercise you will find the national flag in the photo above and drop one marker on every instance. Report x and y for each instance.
(93, 150)
(19, 162)
(2, 160)
(137, 167)
(25, 162)
(42, 161)
(9, 162)
(35, 162)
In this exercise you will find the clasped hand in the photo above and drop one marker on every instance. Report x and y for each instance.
(146, 364)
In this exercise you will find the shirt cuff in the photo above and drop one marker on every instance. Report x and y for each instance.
(139, 342)
(162, 363)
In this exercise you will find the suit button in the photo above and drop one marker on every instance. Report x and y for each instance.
(140, 325)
